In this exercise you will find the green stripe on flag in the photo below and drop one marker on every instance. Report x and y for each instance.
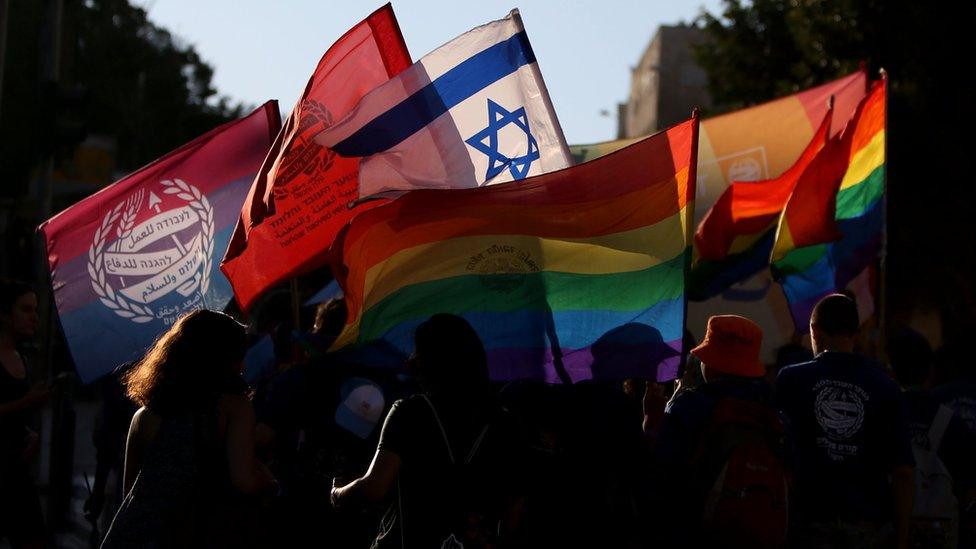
(799, 260)
(630, 291)
(855, 200)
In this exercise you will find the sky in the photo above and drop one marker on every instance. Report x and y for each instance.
(264, 50)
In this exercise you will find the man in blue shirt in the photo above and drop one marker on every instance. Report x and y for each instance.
(853, 459)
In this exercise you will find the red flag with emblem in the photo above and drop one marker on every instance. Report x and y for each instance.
(303, 194)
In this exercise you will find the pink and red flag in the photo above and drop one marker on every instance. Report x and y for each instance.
(304, 192)
(127, 261)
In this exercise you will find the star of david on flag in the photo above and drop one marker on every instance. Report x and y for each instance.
(487, 140)
(425, 128)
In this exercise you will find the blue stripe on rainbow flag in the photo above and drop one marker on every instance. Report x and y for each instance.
(430, 102)
(709, 279)
(841, 263)
(536, 337)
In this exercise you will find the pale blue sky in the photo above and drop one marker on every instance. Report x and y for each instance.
(267, 49)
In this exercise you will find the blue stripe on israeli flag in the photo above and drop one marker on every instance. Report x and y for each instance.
(427, 104)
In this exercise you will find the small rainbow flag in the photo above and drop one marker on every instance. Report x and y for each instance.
(809, 273)
(734, 238)
(570, 275)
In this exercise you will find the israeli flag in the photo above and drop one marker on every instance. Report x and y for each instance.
(473, 112)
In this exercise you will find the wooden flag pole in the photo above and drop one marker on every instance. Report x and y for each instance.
(296, 314)
(883, 259)
(690, 233)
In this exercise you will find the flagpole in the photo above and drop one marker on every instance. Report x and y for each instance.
(296, 315)
(690, 232)
(883, 260)
(546, 99)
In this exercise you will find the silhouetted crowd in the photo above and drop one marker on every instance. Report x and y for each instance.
(827, 448)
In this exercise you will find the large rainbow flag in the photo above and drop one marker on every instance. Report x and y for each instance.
(809, 273)
(570, 275)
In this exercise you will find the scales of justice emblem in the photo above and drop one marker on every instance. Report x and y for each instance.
(152, 254)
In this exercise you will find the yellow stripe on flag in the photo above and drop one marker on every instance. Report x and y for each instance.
(615, 253)
(865, 161)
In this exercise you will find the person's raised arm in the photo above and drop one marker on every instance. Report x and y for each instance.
(374, 485)
(396, 436)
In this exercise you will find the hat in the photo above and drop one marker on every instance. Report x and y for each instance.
(361, 404)
(731, 346)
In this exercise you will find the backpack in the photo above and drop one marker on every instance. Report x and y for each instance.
(469, 528)
(935, 513)
(743, 475)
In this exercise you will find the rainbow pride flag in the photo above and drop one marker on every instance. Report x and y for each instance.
(570, 275)
(757, 144)
(748, 209)
(809, 273)
(734, 238)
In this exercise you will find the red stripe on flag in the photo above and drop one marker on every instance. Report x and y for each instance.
(751, 207)
(809, 215)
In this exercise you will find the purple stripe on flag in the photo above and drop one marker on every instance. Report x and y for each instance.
(624, 361)
(609, 359)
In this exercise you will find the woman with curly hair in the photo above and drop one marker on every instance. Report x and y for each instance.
(189, 459)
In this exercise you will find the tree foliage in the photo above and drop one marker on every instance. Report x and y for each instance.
(145, 87)
(149, 89)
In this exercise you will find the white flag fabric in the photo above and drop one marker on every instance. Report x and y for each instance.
(473, 112)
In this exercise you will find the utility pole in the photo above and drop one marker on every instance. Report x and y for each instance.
(62, 428)
(4, 15)
(50, 74)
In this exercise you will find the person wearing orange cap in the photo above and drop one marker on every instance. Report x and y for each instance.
(853, 460)
(695, 451)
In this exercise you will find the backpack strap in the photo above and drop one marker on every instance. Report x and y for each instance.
(939, 426)
(399, 515)
(476, 445)
(447, 442)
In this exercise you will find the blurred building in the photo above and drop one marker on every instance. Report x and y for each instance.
(666, 84)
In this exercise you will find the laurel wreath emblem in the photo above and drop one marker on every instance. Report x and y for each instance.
(304, 156)
(124, 213)
(198, 201)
